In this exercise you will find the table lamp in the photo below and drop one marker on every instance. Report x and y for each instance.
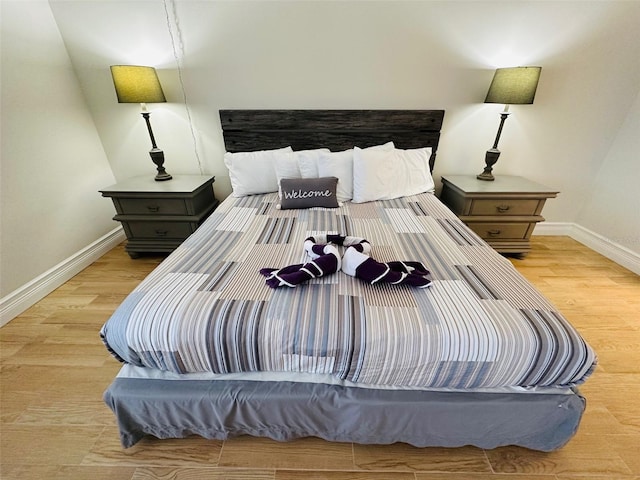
(510, 86)
(136, 84)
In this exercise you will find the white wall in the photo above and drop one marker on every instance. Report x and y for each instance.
(52, 159)
(368, 55)
(612, 208)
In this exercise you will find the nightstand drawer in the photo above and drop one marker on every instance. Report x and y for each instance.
(160, 230)
(494, 231)
(504, 207)
(151, 206)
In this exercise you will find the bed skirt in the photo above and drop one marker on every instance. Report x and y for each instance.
(285, 411)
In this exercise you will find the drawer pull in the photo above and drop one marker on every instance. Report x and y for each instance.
(493, 233)
(503, 208)
(162, 233)
(153, 208)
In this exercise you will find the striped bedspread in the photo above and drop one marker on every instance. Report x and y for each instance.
(481, 324)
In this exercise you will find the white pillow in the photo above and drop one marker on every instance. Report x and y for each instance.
(308, 161)
(287, 166)
(416, 171)
(340, 164)
(384, 175)
(253, 172)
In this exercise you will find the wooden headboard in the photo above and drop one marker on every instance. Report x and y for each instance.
(249, 130)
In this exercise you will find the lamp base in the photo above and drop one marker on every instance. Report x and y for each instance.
(490, 158)
(157, 156)
(161, 177)
(486, 177)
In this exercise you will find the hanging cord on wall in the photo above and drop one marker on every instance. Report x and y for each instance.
(177, 58)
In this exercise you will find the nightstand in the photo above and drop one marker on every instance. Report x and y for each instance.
(503, 212)
(159, 216)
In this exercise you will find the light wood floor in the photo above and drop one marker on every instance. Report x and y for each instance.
(55, 426)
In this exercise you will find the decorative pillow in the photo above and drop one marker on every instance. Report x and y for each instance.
(340, 164)
(308, 192)
(253, 172)
(384, 175)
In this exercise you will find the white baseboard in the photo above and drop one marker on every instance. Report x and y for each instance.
(612, 250)
(24, 297)
(559, 229)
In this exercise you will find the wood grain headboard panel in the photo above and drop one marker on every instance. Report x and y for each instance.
(249, 130)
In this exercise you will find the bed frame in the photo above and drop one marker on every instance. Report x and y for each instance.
(165, 407)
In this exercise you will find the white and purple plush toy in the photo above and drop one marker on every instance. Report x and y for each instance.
(325, 260)
(319, 240)
(322, 248)
(364, 267)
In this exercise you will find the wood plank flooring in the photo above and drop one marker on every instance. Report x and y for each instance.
(54, 369)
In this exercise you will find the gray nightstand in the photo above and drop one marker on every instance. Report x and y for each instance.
(159, 216)
(503, 212)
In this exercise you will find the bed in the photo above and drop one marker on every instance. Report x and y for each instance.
(473, 355)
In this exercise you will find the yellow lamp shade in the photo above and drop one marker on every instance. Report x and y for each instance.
(514, 86)
(136, 84)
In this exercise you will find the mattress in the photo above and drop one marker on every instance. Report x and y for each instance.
(479, 325)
